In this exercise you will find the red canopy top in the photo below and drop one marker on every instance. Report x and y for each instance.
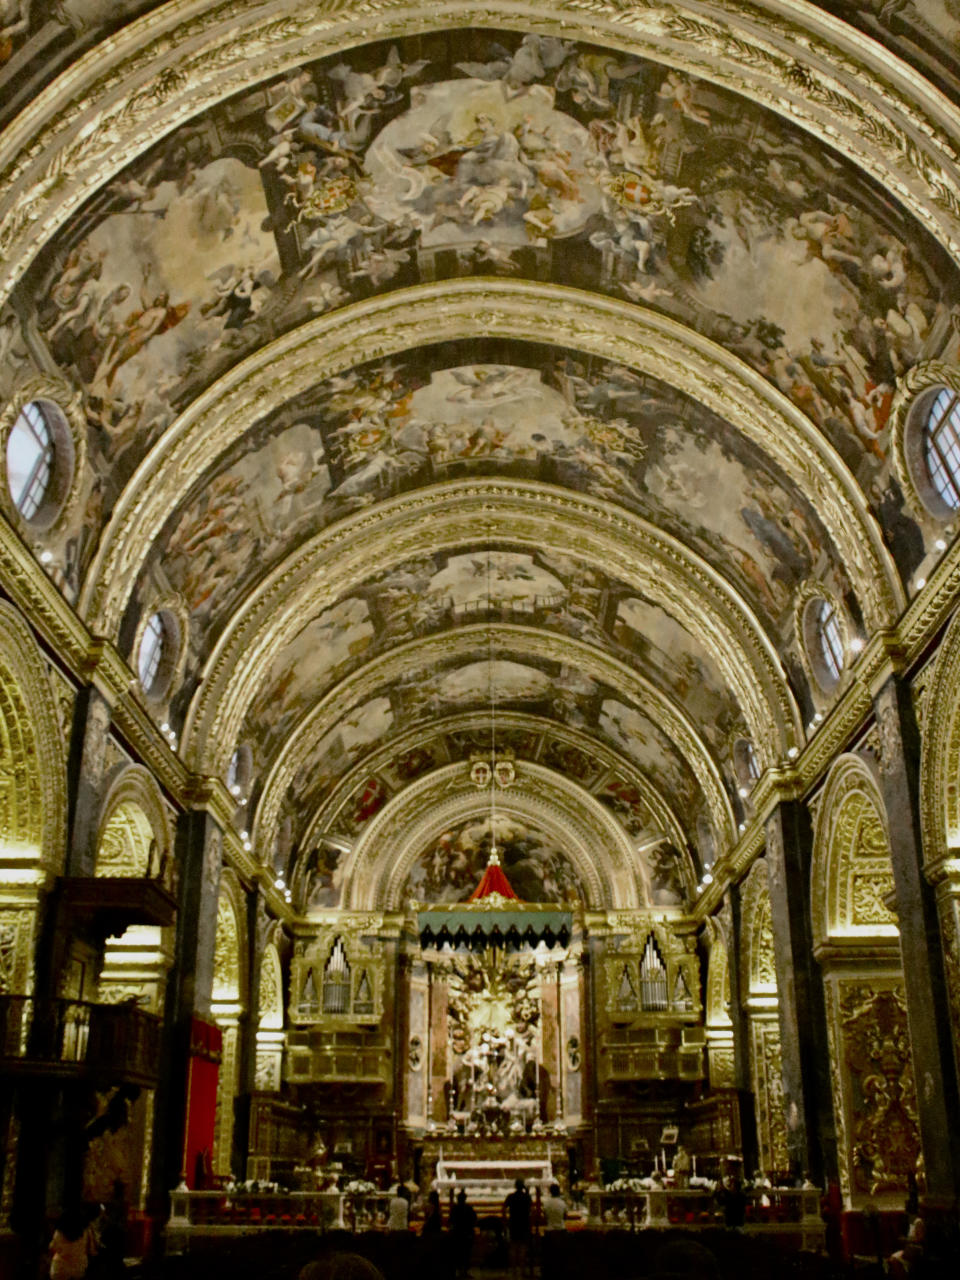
(494, 881)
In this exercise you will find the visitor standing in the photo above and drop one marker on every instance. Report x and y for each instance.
(399, 1216)
(517, 1209)
(463, 1226)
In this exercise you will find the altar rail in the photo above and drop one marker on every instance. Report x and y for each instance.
(218, 1213)
(787, 1211)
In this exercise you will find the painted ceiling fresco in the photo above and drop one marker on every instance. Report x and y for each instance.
(479, 153)
(400, 424)
(489, 156)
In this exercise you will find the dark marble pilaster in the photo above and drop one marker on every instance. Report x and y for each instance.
(249, 1024)
(199, 845)
(741, 1035)
(807, 1094)
(928, 1008)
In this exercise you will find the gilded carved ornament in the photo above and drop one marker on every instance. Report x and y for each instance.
(651, 562)
(759, 975)
(170, 65)
(609, 763)
(530, 643)
(640, 340)
(596, 845)
(33, 800)
(133, 812)
(851, 871)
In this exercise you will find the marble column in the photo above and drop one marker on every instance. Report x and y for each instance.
(928, 1006)
(807, 1093)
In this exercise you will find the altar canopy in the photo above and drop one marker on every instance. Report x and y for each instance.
(494, 917)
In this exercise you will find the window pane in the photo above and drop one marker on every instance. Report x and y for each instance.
(831, 642)
(151, 651)
(29, 460)
(943, 447)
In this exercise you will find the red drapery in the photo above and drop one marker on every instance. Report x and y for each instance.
(203, 1071)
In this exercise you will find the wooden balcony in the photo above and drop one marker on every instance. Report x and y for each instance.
(114, 902)
(347, 1057)
(660, 1052)
(75, 1039)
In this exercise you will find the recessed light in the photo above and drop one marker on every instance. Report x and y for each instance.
(46, 557)
(921, 583)
(856, 644)
(792, 753)
(743, 792)
(941, 544)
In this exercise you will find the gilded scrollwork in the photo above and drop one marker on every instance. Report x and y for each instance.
(500, 639)
(880, 1099)
(595, 843)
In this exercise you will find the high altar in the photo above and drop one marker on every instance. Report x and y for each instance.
(468, 1043)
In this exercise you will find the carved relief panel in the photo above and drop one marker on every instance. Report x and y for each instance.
(873, 1084)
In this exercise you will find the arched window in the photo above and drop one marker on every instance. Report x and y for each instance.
(941, 446)
(830, 639)
(30, 453)
(152, 644)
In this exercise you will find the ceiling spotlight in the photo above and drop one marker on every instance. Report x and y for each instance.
(792, 753)
(247, 845)
(856, 644)
(46, 557)
(742, 828)
(707, 878)
(165, 728)
(921, 583)
(743, 792)
(940, 544)
(817, 717)
(235, 790)
(278, 883)
(244, 835)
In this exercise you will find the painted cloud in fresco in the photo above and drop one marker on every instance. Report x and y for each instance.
(463, 154)
(588, 425)
(452, 868)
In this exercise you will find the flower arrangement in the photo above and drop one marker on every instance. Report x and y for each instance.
(358, 1187)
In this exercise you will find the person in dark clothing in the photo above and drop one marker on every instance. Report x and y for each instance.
(734, 1203)
(432, 1215)
(517, 1210)
(463, 1226)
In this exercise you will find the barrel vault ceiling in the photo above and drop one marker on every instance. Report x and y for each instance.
(454, 378)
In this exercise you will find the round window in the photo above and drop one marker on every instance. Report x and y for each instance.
(39, 462)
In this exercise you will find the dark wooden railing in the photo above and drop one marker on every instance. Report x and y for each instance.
(76, 1037)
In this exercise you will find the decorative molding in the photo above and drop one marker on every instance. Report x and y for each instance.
(495, 640)
(646, 341)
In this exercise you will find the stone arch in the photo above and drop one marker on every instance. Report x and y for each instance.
(597, 846)
(851, 872)
(135, 841)
(134, 833)
(857, 942)
(32, 796)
